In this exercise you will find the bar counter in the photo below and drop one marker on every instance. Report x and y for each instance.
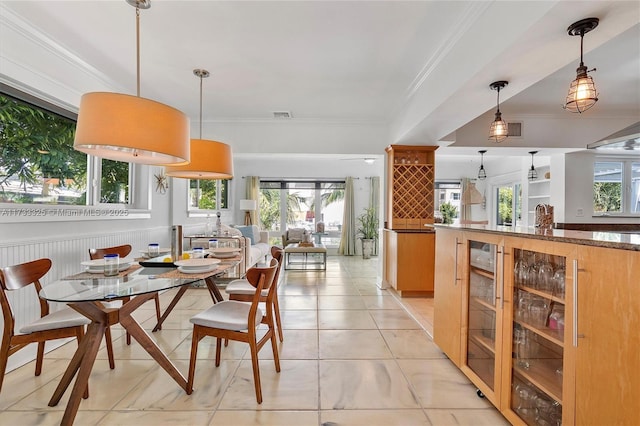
(614, 240)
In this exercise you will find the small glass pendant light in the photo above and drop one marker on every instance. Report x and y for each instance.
(582, 92)
(499, 129)
(482, 174)
(533, 174)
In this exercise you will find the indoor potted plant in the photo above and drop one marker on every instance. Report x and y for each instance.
(368, 231)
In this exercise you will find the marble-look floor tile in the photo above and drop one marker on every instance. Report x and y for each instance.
(352, 344)
(295, 387)
(345, 320)
(297, 344)
(380, 302)
(394, 320)
(253, 418)
(374, 418)
(157, 418)
(207, 349)
(158, 391)
(21, 383)
(335, 290)
(341, 302)
(288, 302)
(466, 417)
(364, 384)
(411, 344)
(48, 418)
(299, 320)
(103, 395)
(440, 384)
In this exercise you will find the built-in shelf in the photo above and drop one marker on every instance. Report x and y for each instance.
(539, 196)
(532, 182)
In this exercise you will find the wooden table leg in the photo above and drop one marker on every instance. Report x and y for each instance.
(82, 361)
(214, 291)
(172, 305)
(141, 336)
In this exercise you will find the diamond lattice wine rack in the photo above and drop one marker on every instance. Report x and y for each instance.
(411, 175)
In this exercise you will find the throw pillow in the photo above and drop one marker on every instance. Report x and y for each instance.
(247, 231)
(295, 234)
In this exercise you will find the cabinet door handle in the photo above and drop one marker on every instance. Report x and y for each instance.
(502, 254)
(455, 264)
(575, 303)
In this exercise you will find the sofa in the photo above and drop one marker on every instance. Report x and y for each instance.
(256, 244)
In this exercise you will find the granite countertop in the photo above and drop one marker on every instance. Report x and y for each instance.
(616, 240)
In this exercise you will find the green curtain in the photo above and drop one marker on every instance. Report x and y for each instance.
(374, 202)
(253, 193)
(347, 245)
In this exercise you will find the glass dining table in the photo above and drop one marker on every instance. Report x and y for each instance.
(86, 295)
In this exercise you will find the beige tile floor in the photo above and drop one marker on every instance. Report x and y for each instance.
(353, 354)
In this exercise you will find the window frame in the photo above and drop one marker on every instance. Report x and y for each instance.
(197, 211)
(93, 209)
(626, 185)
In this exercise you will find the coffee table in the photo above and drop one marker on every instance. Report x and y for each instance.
(313, 257)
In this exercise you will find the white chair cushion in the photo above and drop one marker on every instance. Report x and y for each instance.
(63, 318)
(243, 287)
(227, 315)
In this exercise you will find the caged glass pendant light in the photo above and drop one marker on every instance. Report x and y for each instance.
(582, 92)
(499, 129)
(533, 174)
(130, 128)
(482, 174)
(209, 159)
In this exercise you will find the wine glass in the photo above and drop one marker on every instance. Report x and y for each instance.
(559, 283)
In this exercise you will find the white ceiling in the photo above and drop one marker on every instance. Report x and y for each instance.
(420, 70)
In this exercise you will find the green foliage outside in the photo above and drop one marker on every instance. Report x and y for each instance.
(35, 144)
(607, 197)
(368, 225)
(449, 212)
(505, 206)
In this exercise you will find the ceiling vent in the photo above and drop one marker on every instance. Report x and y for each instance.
(281, 114)
(515, 129)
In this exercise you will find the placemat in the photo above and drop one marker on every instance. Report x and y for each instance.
(88, 275)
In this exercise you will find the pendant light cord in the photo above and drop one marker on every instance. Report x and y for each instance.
(200, 106)
(498, 101)
(137, 51)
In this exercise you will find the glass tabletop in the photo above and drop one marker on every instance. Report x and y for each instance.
(103, 288)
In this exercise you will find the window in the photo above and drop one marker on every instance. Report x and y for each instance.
(444, 191)
(509, 205)
(208, 194)
(302, 204)
(38, 164)
(616, 187)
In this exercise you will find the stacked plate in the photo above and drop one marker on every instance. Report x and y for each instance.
(96, 266)
(196, 266)
(163, 251)
(224, 252)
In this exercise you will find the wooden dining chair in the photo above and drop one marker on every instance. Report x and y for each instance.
(239, 321)
(122, 251)
(50, 326)
(243, 291)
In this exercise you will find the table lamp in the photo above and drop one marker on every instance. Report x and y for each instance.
(248, 206)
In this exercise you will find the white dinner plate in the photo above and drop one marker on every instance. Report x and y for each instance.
(225, 250)
(99, 263)
(121, 268)
(196, 270)
(162, 252)
(196, 263)
(224, 255)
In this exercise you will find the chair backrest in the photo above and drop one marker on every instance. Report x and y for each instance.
(18, 276)
(122, 251)
(262, 277)
(277, 253)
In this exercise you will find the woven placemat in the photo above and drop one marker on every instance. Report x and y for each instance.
(88, 275)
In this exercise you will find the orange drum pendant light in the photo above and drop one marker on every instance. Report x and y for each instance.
(130, 128)
(209, 159)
